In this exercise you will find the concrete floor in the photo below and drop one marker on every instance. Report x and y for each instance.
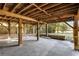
(43, 47)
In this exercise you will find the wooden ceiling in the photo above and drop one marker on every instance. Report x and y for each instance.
(34, 12)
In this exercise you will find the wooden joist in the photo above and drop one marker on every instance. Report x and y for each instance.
(41, 9)
(48, 7)
(18, 5)
(2, 12)
(44, 10)
(61, 8)
(4, 6)
(34, 9)
(62, 11)
(25, 9)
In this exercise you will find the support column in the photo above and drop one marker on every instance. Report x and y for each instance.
(25, 29)
(9, 28)
(17, 29)
(20, 32)
(46, 29)
(33, 29)
(38, 31)
(75, 34)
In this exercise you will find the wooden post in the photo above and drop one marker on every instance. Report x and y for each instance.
(9, 29)
(46, 29)
(33, 29)
(25, 29)
(38, 31)
(20, 32)
(75, 34)
(17, 29)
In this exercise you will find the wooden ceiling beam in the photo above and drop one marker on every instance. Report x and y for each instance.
(48, 7)
(57, 18)
(13, 15)
(25, 9)
(6, 18)
(41, 9)
(58, 12)
(34, 13)
(14, 20)
(61, 18)
(53, 17)
(51, 9)
(2, 12)
(62, 8)
(34, 9)
(4, 7)
(18, 5)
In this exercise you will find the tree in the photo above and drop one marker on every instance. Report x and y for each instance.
(52, 28)
(56, 27)
(63, 27)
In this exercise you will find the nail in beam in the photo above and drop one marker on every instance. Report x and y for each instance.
(38, 31)
(20, 32)
(75, 34)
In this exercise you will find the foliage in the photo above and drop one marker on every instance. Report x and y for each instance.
(63, 27)
(3, 30)
(56, 27)
(52, 28)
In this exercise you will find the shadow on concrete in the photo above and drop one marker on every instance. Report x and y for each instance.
(8, 46)
(32, 40)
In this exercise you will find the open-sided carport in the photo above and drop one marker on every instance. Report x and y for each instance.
(41, 13)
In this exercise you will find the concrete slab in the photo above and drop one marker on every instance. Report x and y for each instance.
(43, 47)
